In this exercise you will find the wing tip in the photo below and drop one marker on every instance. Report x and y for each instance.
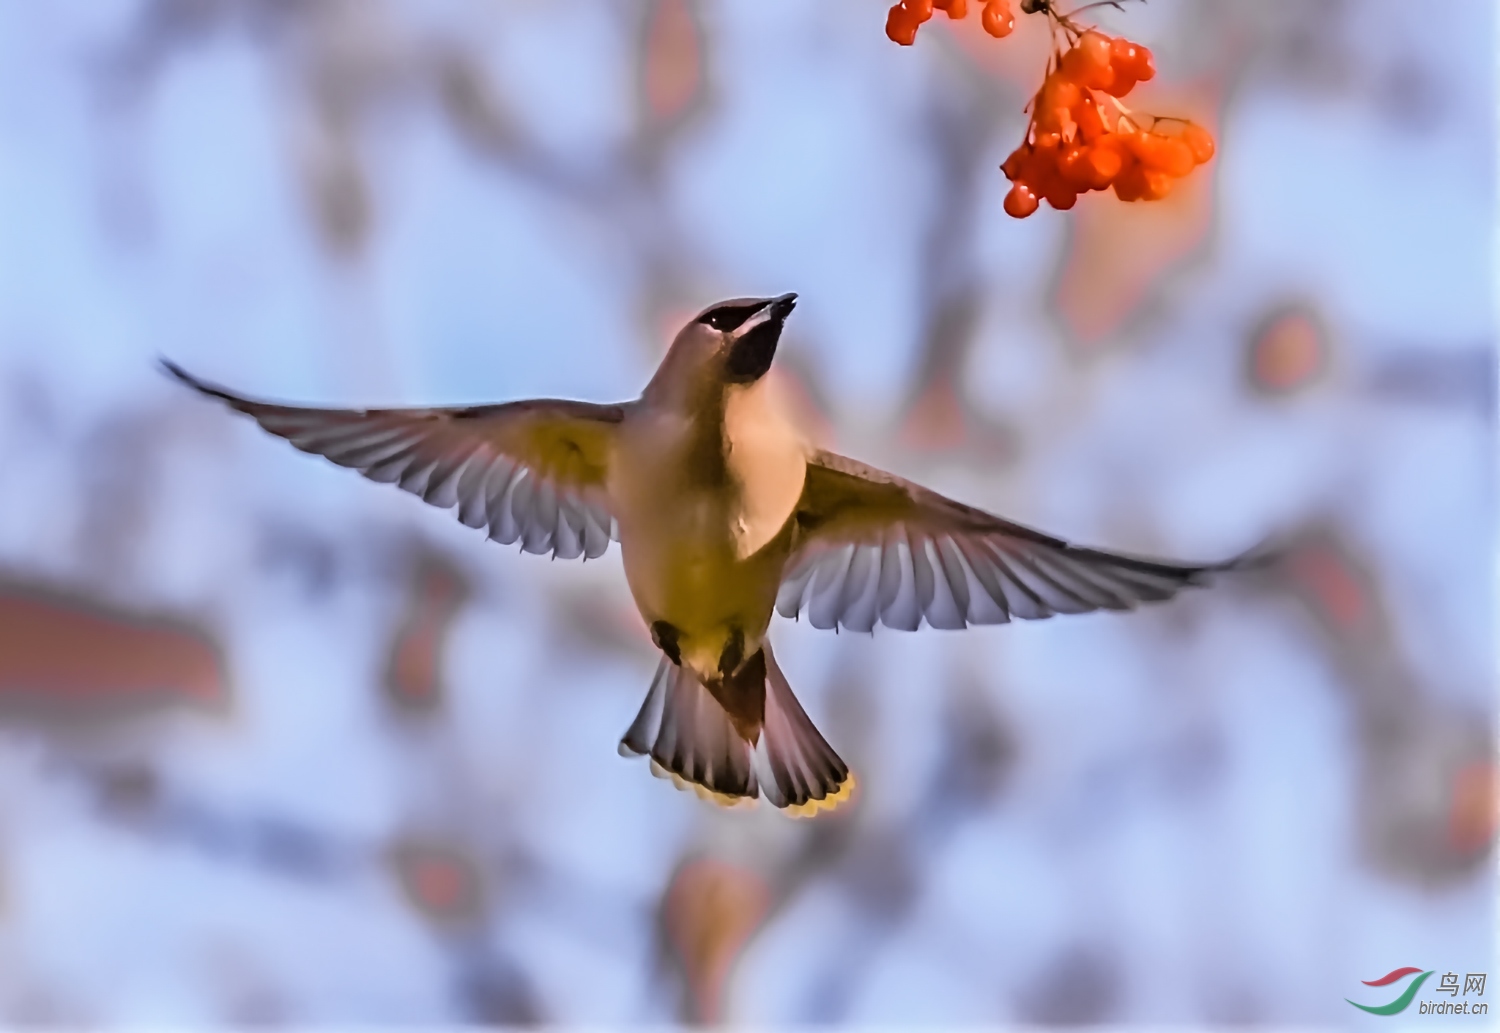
(182, 376)
(175, 371)
(1258, 557)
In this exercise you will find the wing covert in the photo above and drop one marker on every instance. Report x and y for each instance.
(531, 471)
(873, 547)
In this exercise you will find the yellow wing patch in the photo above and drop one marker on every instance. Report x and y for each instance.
(572, 451)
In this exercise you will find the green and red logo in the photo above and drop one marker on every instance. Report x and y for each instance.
(1401, 1003)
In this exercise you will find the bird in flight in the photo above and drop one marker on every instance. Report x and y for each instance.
(724, 514)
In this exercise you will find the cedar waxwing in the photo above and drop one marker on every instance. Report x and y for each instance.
(723, 514)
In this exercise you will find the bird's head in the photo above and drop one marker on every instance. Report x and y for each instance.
(727, 344)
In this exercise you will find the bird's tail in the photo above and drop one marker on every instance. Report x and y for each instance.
(769, 747)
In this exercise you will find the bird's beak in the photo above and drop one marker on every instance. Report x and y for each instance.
(775, 310)
(752, 346)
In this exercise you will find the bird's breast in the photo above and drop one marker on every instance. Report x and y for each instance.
(766, 464)
(702, 510)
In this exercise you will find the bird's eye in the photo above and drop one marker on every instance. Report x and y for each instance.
(729, 317)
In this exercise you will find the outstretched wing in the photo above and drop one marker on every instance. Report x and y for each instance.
(532, 471)
(871, 546)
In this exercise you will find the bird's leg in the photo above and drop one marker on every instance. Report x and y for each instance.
(665, 637)
(733, 654)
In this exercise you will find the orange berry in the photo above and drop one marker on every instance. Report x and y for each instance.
(1013, 165)
(1089, 62)
(1060, 92)
(1121, 84)
(1056, 189)
(922, 9)
(1174, 157)
(1052, 110)
(1105, 161)
(1072, 66)
(1158, 184)
(1131, 63)
(1061, 196)
(1097, 48)
(1163, 153)
(1020, 202)
(1130, 184)
(1144, 68)
(1074, 167)
(1037, 167)
(997, 18)
(1047, 180)
(1198, 141)
(1069, 157)
(900, 26)
(1090, 125)
(1131, 59)
(956, 9)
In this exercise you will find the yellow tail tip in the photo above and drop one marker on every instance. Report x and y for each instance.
(833, 800)
(702, 792)
(809, 809)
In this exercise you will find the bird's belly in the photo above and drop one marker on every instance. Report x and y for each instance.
(703, 536)
(699, 597)
(686, 568)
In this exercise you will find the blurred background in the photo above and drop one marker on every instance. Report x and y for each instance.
(281, 746)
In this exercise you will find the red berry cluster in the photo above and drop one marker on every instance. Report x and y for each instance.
(904, 18)
(1082, 138)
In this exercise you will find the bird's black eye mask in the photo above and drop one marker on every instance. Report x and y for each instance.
(727, 318)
